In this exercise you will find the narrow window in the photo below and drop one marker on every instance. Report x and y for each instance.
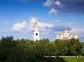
(36, 34)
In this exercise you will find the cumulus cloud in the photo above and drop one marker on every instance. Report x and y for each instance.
(66, 6)
(28, 25)
(19, 26)
(58, 3)
(49, 3)
(53, 11)
(52, 4)
(78, 30)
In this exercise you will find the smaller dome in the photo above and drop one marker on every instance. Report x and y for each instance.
(75, 36)
(58, 36)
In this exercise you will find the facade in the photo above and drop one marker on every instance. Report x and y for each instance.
(36, 35)
(65, 35)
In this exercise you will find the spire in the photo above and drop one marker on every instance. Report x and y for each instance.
(36, 25)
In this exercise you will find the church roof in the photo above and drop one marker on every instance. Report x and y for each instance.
(65, 31)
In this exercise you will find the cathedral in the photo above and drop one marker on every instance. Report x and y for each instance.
(65, 35)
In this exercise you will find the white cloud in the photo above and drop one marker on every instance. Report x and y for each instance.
(77, 30)
(52, 4)
(53, 11)
(28, 25)
(19, 26)
(49, 3)
(58, 3)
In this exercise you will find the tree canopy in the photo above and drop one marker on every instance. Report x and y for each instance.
(24, 50)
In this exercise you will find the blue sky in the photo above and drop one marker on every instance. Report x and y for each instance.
(53, 14)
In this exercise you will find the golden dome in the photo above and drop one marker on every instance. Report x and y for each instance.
(65, 31)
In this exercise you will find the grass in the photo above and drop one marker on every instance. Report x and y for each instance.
(66, 59)
(74, 59)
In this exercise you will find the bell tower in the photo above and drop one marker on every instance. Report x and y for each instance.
(36, 35)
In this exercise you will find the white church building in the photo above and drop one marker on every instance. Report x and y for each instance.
(65, 35)
(36, 34)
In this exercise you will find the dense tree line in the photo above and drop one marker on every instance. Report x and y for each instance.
(24, 50)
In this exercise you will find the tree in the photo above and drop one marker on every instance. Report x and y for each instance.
(61, 47)
(74, 47)
(82, 49)
(6, 44)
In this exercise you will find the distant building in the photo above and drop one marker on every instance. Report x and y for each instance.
(36, 35)
(65, 35)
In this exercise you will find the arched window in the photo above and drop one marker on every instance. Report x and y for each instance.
(36, 34)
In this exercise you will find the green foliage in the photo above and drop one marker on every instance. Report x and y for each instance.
(74, 47)
(24, 50)
(74, 59)
(82, 48)
(70, 47)
(61, 47)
